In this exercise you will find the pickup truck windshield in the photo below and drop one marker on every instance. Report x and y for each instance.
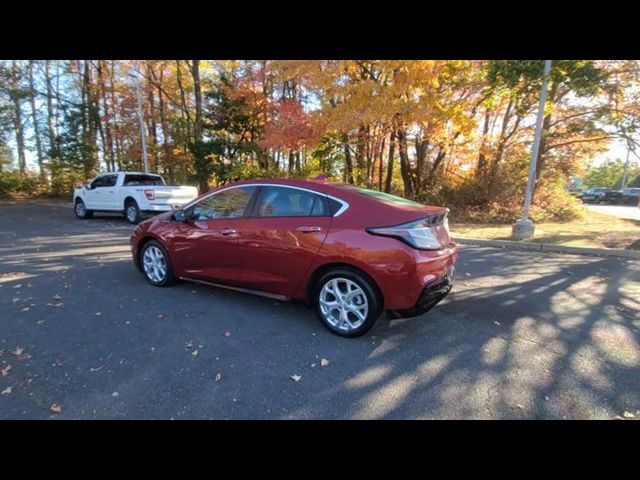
(131, 180)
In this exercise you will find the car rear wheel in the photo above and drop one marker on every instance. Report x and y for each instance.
(155, 264)
(347, 303)
(132, 212)
(81, 210)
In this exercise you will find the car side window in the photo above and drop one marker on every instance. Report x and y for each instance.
(291, 202)
(98, 182)
(226, 204)
(110, 180)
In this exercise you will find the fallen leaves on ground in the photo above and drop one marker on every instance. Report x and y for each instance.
(57, 297)
(5, 371)
(7, 391)
(628, 415)
(296, 378)
(324, 362)
(227, 334)
(96, 369)
(55, 305)
(496, 322)
(17, 351)
(218, 377)
(55, 408)
(162, 316)
(194, 353)
(18, 286)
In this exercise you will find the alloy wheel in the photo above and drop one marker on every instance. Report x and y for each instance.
(343, 304)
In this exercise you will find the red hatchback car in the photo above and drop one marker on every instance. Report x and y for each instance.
(349, 252)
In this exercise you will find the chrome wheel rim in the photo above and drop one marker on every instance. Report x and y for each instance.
(343, 304)
(131, 213)
(154, 264)
(80, 209)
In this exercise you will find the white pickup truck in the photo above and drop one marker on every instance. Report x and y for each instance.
(130, 193)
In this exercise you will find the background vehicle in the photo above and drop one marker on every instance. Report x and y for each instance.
(601, 195)
(132, 193)
(631, 196)
(349, 252)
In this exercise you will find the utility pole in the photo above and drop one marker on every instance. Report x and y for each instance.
(524, 227)
(141, 120)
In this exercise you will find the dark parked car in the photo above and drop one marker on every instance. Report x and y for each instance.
(631, 196)
(601, 195)
(349, 252)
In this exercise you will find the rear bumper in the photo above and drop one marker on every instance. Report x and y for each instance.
(159, 208)
(429, 297)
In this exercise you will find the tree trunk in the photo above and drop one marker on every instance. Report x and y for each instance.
(34, 119)
(195, 73)
(405, 168)
(392, 144)
(348, 163)
(482, 158)
(17, 116)
(167, 160)
(183, 101)
(51, 128)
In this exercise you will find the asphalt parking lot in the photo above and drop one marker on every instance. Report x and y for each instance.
(523, 335)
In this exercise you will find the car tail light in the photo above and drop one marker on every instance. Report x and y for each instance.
(430, 233)
(150, 194)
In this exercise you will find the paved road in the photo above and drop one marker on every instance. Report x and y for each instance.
(522, 336)
(623, 211)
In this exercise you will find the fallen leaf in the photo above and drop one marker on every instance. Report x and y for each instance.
(55, 408)
(97, 369)
(115, 394)
(194, 353)
(40, 322)
(295, 378)
(17, 351)
(496, 322)
(25, 309)
(324, 362)
(467, 274)
(57, 297)
(162, 316)
(218, 377)
(55, 305)
(23, 357)
(227, 334)
(5, 371)
(98, 314)
(313, 365)
(7, 391)
(18, 286)
(628, 415)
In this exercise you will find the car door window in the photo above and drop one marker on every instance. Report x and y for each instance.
(226, 204)
(98, 182)
(110, 180)
(291, 202)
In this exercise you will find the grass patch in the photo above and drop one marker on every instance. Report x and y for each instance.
(594, 230)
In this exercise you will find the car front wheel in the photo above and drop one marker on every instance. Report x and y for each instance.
(347, 303)
(155, 264)
(81, 210)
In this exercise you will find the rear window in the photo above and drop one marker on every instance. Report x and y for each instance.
(132, 180)
(383, 197)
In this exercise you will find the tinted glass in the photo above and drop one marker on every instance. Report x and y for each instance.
(384, 197)
(291, 202)
(226, 204)
(110, 180)
(131, 180)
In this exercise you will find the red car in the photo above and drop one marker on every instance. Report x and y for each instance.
(349, 252)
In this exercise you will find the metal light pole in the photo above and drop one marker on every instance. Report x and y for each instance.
(141, 120)
(524, 227)
(626, 166)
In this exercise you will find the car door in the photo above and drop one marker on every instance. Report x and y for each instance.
(205, 245)
(277, 243)
(108, 195)
(92, 197)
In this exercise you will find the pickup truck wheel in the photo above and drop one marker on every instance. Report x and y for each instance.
(132, 212)
(81, 211)
(155, 264)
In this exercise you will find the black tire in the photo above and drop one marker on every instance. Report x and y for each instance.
(132, 212)
(169, 278)
(81, 211)
(374, 299)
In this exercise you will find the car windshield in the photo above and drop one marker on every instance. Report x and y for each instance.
(139, 179)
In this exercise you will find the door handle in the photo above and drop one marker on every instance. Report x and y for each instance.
(228, 231)
(308, 229)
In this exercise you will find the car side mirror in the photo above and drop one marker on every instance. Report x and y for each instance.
(87, 186)
(180, 216)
